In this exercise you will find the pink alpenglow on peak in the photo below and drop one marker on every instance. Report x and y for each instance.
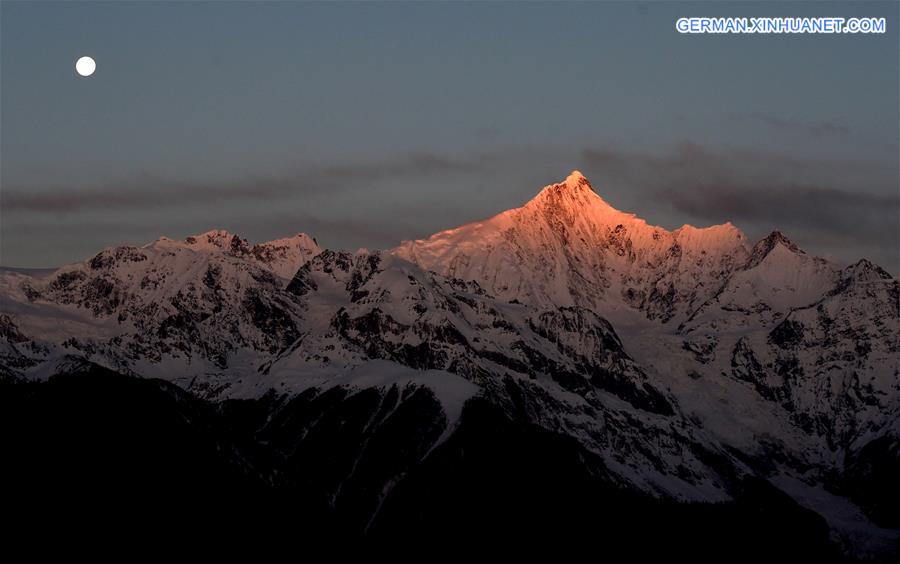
(575, 191)
(568, 246)
(576, 180)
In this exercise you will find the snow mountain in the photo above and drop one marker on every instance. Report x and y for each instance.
(567, 246)
(689, 368)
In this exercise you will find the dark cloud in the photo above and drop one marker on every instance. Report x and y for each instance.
(143, 191)
(817, 129)
(849, 205)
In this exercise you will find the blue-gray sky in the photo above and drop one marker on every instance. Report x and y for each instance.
(366, 123)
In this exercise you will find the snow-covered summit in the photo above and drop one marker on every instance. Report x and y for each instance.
(568, 246)
(865, 270)
(574, 184)
(775, 241)
(576, 178)
(285, 256)
(213, 239)
(281, 256)
(572, 198)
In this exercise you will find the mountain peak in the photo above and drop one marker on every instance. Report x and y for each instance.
(574, 194)
(576, 179)
(774, 240)
(865, 270)
(575, 182)
(301, 240)
(219, 238)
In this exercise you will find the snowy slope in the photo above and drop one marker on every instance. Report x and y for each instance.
(685, 359)
(222, 327)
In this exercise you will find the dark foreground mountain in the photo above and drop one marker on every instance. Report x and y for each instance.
(563, 374)
(125, 452)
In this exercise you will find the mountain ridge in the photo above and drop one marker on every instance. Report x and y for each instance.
(686, 361)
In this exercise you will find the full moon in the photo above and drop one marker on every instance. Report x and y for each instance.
(85, 66)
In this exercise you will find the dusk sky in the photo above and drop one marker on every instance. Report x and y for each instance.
(363, 124)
